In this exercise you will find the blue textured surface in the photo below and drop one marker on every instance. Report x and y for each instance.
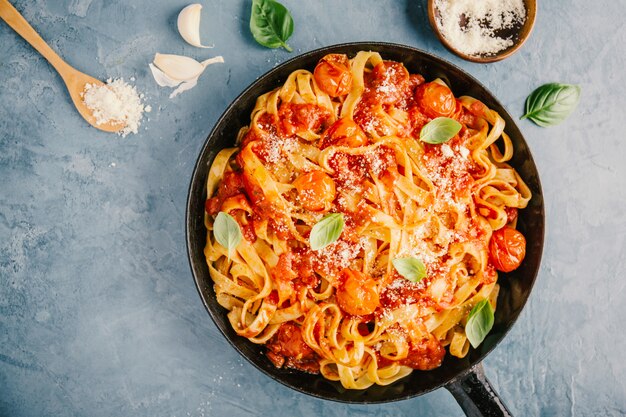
(99, 315)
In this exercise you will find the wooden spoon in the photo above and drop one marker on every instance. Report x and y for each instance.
(75, 80)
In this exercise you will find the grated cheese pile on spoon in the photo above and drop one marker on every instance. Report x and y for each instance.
(116, 102)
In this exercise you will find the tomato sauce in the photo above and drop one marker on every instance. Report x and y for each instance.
(295, 118)
(246, 224)
(350, 171)
(405, 292)
(425, 355)
(231, 185)
(304, 267)
(354, 222)
(287, 349)
(388, 85)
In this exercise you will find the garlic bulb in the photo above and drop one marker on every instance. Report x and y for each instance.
(189, 25)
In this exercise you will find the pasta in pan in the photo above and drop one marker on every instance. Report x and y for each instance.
(345, 140)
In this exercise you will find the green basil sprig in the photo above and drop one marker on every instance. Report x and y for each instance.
(326, 231)
(271, 24)
(410, 268)
(479, 323)
(227, 231)
(551, 103)
(439, 130)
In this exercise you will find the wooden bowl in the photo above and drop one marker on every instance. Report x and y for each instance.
(520, 34)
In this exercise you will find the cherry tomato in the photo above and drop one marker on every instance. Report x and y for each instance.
(316, 191)
(477, 108)
(357, 293)
(332, 75)
(507, 249)
(393, 72)
(435, 100)
(344, 132)
(392, 80)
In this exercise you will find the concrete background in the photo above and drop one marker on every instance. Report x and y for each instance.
(99, 315)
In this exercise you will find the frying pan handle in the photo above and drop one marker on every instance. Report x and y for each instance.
(476, 396)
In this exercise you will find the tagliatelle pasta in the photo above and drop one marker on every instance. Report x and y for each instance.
(345, 139)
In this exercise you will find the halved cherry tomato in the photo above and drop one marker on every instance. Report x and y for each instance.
(435, 100)
(332, 74)
(316, 191)
(357, 293)
(344, 132)
(507, 249)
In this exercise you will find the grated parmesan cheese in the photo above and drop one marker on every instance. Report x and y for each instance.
(116, 102)
(475, 27)
(339, 255)
(447, 151)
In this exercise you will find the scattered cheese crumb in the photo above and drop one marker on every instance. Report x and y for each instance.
(116, 102)
(447, 151)
(473, 27)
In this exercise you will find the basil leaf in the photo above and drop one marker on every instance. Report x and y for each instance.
(326, 231)
(227, 231)
(551, 103)
(271, 24)
(479, 323)
(410, 268)
(439, 130)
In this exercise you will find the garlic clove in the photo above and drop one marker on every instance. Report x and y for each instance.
(214, 60)
(187, 85)
(161, 78)
(179, 71)
(189, 25)
(178, 67)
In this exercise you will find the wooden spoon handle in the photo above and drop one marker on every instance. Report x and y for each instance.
(14, 19)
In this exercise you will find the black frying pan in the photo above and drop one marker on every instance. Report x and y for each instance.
(464, 378)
